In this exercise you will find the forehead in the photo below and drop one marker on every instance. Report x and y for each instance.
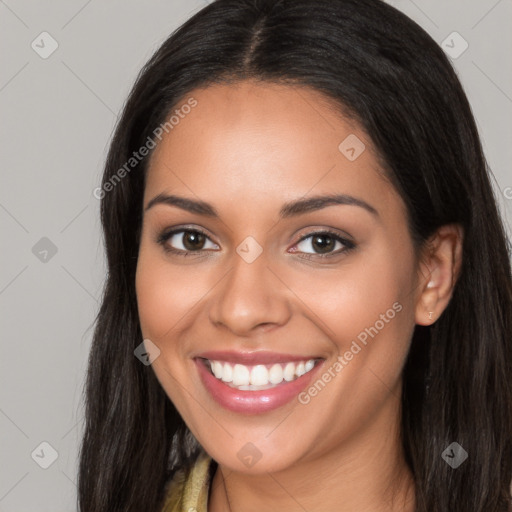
(256, 139)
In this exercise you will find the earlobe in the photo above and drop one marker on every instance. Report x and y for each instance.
(439, 270)
(427, 310)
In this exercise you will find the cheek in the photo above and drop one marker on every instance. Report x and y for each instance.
(166, 294)
(353, 298)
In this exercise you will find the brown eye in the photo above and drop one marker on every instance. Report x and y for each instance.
(323, 244)
(186, 241)
(193, 240)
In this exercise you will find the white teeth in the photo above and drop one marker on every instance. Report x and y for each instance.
(217, 369)
(259, 376)
(275, 375)
(289, 372)
(241, 375)
(227, 373)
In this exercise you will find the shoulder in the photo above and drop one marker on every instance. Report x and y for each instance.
(188, 488)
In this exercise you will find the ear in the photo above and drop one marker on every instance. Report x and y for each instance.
(439, 269)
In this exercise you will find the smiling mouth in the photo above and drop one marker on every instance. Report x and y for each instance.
(260, 376)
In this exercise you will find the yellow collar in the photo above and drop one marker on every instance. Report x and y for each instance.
(188, 489)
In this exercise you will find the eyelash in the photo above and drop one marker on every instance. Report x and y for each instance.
(349, 246)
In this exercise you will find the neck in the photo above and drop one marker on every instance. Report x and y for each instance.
(367, 473)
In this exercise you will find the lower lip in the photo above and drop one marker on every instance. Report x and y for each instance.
(253, 402)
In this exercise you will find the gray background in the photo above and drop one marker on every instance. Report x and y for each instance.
(57, 117)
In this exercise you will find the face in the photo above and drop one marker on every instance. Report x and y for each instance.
(283, 318)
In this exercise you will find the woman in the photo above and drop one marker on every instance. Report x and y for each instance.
(309, 300)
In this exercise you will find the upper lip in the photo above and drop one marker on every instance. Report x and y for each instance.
(252, 358)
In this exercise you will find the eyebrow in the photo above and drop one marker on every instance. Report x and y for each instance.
(290, 209)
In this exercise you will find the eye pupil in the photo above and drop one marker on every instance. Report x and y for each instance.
(193, 240)
(319, 242)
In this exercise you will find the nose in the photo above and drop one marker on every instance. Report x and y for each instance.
(250, 298)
